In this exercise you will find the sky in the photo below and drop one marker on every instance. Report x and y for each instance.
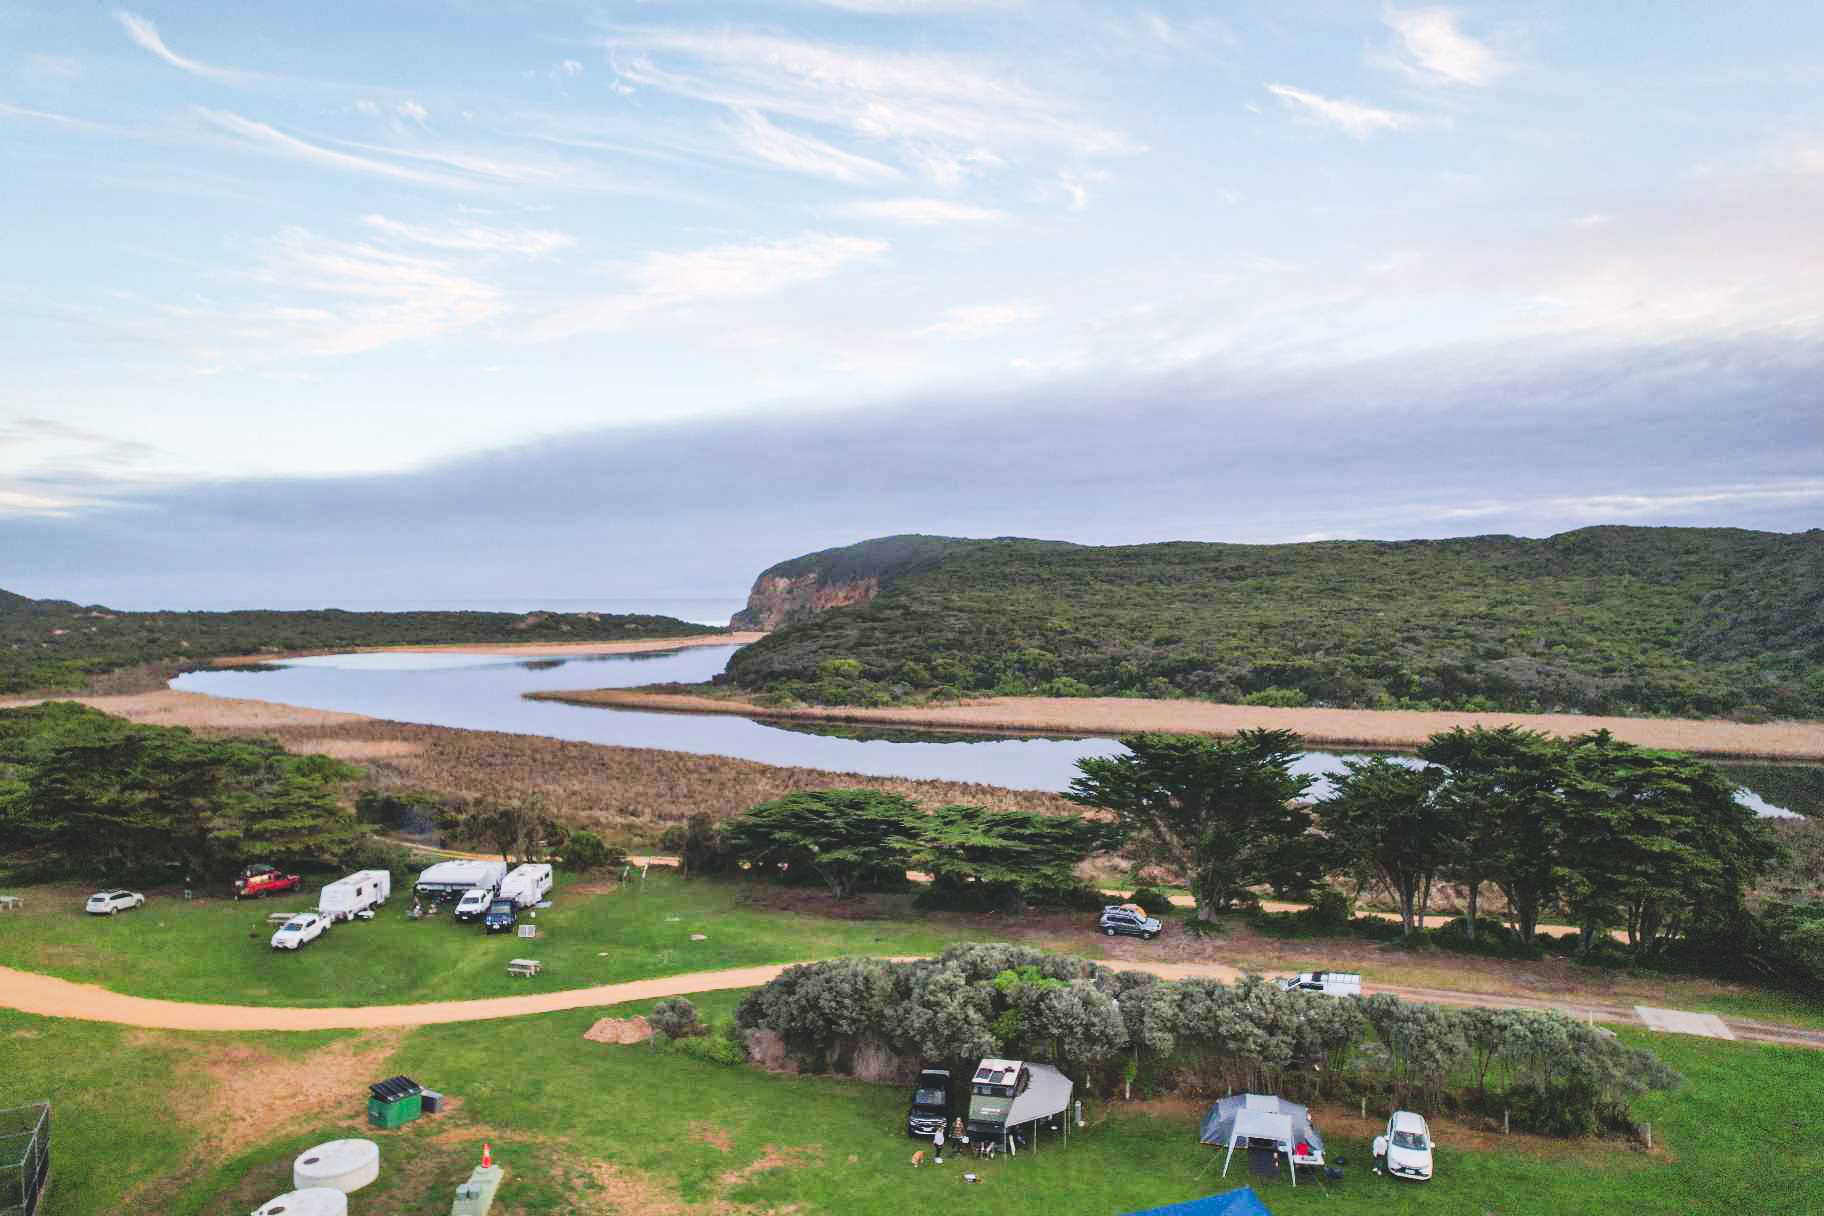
(446, 299)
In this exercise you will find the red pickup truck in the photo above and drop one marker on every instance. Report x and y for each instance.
(256, 882)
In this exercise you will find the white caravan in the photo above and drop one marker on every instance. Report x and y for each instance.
(527, 884)
(449, 879)
(1330, 983)
(363, 889)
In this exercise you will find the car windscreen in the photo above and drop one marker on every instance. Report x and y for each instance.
(928, 1097)
(502, 907)
(297, 924)
(1408, 1140)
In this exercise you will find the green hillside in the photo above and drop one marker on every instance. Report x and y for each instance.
(54, 645)
(1698, 621)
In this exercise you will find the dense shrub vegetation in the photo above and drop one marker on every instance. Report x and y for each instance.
(54, 645)
(88, 794)
(1105, 1027)
(1686, 621)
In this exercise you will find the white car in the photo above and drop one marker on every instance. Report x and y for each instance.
(304, 927)
(107, 903)
(474, 903)
(1408, 1146)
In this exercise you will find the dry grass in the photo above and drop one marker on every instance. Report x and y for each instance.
(629, 793)
(1344, 727)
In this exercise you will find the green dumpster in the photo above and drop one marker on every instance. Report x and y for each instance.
(394, 1102)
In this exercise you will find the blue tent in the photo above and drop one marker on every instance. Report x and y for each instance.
(1242, 1201)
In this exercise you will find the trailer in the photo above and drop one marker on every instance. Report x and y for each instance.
(1005, 1095)
(527, 884)
(449, 879)
(345, 897)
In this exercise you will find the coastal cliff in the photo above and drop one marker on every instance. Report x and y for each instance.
(776, 601)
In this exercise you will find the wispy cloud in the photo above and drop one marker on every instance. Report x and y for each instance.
(717, 274)
(921, 212)
(1431, 46)
(938, 113)
(1658, 504)
(271, 139)
(40, 66)
(332, 297)
(972, 321)
(146, 36)
(478, 238)
(1358, 119)
(84, 125)
(803, 153)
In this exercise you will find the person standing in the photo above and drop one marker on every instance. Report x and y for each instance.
(937, 1145)
(1379, 1153)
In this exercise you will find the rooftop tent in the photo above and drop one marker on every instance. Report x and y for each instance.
(1242, 1201)
(1242, 1119)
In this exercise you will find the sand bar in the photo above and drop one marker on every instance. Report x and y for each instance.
(516, 649)
(1351, 727)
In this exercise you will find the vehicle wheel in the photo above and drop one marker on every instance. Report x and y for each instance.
(1108, 933)
(1149, 936)
(113, 911)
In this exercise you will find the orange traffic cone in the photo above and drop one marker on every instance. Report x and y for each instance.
(487, 1158)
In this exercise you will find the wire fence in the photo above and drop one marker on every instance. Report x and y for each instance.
(25, 1157)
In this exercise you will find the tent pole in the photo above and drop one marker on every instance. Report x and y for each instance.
(1226, 1160)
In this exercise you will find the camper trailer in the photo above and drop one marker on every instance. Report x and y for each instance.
(364, 889)
(527, 884)
(450, 879)
(1330, 983)
(1007, 1094)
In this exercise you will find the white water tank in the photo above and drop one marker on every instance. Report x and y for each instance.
(311, 1201)
(346, 1165)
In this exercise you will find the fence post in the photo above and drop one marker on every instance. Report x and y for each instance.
(1649, 1137)
(1504, 1121)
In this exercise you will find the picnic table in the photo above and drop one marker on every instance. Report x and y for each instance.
(523, 967)
(11, 903)
(279, 918)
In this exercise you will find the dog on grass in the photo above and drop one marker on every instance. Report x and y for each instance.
(918, 1158)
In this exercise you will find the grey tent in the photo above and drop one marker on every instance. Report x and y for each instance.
(1263, 1120)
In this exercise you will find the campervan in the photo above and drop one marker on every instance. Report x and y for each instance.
(1330, 983)
(1004, 1094)
(527, 884)
(449, 879)
(345, 897)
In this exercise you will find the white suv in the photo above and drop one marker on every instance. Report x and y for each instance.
(107, 903)
(304, 927)
(1408, 1146)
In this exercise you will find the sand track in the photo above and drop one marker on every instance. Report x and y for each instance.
(48, 996)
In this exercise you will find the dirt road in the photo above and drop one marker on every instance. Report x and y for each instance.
(50, 997)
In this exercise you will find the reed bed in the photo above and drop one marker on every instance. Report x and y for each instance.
(630, 793)
(1344, 727)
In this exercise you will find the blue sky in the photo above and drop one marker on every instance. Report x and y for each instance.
(597, 279)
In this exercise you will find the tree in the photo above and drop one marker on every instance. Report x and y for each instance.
(1503, 788)
(1217, 810)
(584, 850)
(1006, 851)
(1657, 837)
(516, 829)
(843, 835)
(1385, 816)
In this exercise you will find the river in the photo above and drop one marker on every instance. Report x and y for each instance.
(485, 692)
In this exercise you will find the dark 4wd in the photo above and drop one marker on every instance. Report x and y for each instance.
(1117, 919)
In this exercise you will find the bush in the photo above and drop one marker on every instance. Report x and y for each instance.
(1568, 1109)
(675, 1018)
(1331, 909)
(586, 851)
(1156, 902)
(714, 1048)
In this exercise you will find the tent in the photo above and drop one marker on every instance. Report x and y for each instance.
(1250, 1120)
(1242, 1201)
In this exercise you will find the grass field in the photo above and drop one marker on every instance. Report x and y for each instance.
(218, 950)
(197, 1125)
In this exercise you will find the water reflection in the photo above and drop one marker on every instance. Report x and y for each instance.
(484, 692)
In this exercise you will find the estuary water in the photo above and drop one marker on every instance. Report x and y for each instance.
(484, 692)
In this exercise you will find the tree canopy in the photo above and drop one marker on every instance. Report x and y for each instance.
(1219, 811)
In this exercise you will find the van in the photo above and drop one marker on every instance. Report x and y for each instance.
(1330, 983)
(527, 884)
(931, 1104)
(360, 891)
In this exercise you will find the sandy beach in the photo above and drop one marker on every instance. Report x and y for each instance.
(1345, 727)
(556, 650)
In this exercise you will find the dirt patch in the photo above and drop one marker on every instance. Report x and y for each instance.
(635, 1029)
(772, 1157)
(709, 1133)
(308, 1089)
(592, 888)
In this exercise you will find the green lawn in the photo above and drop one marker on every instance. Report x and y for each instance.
(1741, 1137)
(217, 950)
